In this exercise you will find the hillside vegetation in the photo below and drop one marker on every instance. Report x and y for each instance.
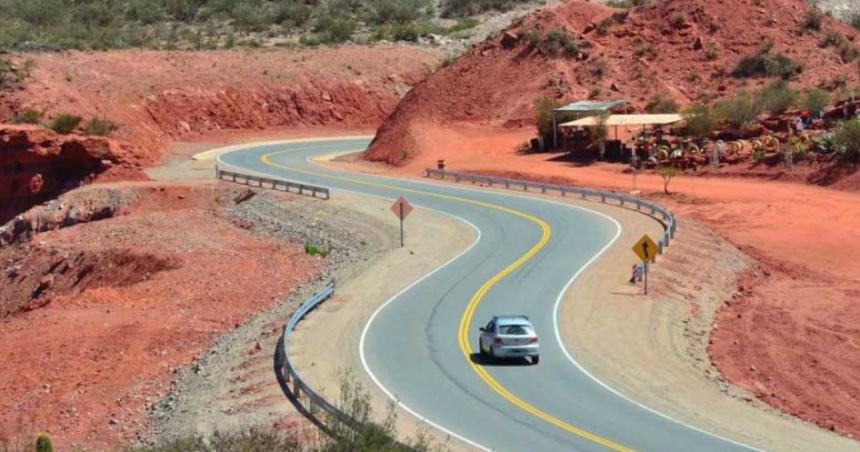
(210, 24)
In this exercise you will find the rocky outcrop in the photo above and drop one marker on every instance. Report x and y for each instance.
(36, 164)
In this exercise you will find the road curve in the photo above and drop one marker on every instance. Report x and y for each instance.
(527, 253)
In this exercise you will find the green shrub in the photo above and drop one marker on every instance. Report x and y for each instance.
(778, 97)
(556, 42)
(765, 64)
(64, 123)
(466, 23)
(758, 155)
(28, 116)
(846, 139)
(43, 443)
(100, 126)
(316, 250)
(335, 30)
(661, 103)
(815, 100)
(847, 49)
(739, 111)
(8, 74)
(398, 11)
(544, 107)
(699, 120)
(812, 19)
(461, 8)
(295, 13)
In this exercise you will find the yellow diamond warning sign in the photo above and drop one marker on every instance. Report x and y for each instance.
(646, 249)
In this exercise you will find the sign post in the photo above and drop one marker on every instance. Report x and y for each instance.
(647, 251)
(401, 209)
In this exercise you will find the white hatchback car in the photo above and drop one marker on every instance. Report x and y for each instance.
(509, 336)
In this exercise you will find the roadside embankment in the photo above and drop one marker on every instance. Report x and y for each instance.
(100, 316)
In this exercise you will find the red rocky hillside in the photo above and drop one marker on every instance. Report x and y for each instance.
(685, 49)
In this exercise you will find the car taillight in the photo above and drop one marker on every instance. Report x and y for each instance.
(497, 341)
(533, 340)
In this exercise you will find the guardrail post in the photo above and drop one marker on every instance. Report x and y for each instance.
(543, 189)
(652, 210)
(660, 247)
(297, 390)
(507, 184)
(603, 198)
(638, 205)
(622, 201)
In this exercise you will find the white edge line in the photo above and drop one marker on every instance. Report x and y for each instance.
(555, 309)
(392, 299)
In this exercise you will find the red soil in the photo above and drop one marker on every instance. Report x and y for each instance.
(157, 97)
(498, 81)
(797, 325)
(128, 302)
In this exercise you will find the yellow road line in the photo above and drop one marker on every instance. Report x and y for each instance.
(466, 319)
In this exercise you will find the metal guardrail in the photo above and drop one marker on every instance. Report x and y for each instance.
(274, 184)
(655, 210)
(291, 375)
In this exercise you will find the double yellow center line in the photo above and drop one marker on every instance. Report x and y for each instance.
(475, 301)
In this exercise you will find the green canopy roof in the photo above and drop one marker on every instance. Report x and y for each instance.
(591, 105)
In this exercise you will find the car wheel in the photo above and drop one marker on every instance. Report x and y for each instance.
(535, 360)
(492, 355)
(481, 348)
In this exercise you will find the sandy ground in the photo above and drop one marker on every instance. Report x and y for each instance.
(791, 344)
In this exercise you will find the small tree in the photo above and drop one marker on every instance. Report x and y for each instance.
(846, 140)
(599, 132)
(815, 100)
(778, 97)
(64, 123)
(699, 120)
(661, 103)
(543, 117)
(43, 443)
(739, 111)
(667, 172)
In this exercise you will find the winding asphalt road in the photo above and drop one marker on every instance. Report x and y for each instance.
(419, 347)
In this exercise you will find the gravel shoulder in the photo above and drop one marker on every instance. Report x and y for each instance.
(233, 385)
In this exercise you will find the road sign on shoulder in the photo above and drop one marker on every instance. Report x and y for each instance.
(401, 208)
(646, 249)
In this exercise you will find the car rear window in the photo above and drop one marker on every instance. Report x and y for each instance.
(515, 330)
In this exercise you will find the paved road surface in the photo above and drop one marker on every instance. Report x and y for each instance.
(413, 345)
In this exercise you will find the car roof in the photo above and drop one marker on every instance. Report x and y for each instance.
(512, 320)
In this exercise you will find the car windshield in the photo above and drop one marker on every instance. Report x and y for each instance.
(515, 330)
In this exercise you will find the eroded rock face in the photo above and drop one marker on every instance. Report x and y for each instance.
(36, 164)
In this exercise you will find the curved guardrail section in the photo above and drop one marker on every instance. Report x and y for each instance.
(291, 375)
(246, 177)
(657, 211)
